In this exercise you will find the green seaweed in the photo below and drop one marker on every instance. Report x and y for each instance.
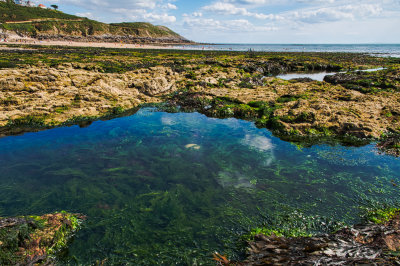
(28, 121)
(151, 199)
(36, 239)
(381, 216)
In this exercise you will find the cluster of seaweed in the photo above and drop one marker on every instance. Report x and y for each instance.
(36, 239)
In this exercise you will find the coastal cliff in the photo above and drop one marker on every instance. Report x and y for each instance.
(46, 24)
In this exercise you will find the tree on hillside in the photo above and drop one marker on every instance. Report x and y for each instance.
(55, 7)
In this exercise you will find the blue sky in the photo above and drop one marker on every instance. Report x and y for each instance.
(254, 21)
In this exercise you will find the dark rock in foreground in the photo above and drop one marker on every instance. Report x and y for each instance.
(372, 244)
(36, 239)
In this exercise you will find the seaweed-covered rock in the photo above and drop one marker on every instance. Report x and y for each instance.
(390, 145)
(368, 82)
(36, 239)
(341, 78)
(372, 243)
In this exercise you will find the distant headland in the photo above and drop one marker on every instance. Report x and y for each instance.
(21, 20)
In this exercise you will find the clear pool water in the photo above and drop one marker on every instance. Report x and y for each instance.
(163, 188)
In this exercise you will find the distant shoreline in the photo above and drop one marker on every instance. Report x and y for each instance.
(95, 44)
(380, 50)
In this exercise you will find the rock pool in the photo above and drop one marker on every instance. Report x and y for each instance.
(319, 76)
(172, 188)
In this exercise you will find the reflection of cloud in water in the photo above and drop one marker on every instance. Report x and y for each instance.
(195, 119)
(259, 142)
(262, 144)
(235, 179)
(239, 179)
(188, 120)
(168, 120)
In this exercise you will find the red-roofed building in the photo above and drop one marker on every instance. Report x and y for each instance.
(42, 6)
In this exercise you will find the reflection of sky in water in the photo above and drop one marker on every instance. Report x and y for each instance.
(262, 144)
(315, 76)
(141, 176)
(319, 76)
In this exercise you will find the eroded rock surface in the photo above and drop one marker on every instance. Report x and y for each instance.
(61, 93)
(365, 244)
(32, 240)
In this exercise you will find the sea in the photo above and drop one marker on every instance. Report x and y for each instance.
(386, 50)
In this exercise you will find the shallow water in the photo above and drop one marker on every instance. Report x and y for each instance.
(314, 76)
(172, 188)
(319, 76)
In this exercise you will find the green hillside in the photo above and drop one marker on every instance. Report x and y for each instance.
(10, 12)
(45, 23)
(141, 28)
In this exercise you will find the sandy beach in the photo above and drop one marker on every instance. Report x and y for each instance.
(91, 44)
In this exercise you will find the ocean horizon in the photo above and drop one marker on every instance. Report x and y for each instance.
(390, 50)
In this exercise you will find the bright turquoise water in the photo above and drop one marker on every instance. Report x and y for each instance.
(151, 198)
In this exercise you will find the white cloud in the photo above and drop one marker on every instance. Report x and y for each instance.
(249, 2)
(236, 26)
(86, 15)
(164, 18)
(348, 12)
(169, 6)
(230, 9)
(155, 11)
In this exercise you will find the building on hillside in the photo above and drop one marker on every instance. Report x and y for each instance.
(42, 6)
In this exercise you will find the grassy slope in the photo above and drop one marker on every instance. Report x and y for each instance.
(142, 29)
(61, 23)
(10, 12)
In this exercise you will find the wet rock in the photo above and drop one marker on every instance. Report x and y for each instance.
(301, 80)
(390, 145)
(368, 82)
(32, 240)
(368, 243)
(341, 78)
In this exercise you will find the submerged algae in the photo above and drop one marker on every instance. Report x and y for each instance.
(151, 200)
